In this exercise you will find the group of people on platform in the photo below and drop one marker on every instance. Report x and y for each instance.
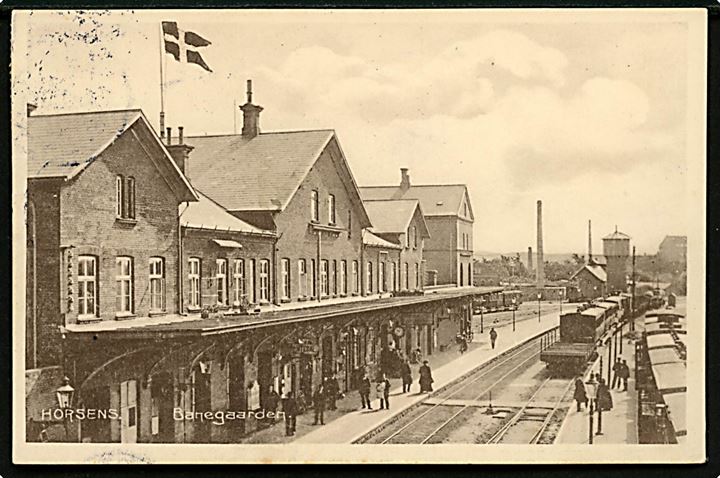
(604, 399)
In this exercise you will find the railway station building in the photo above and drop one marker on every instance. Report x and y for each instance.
(180, 280)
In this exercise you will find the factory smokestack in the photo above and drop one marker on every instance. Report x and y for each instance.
(540, 268)
(530, 259)
(589, 259)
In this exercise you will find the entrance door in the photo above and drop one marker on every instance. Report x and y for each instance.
(128, 411)
(162, 422)
(236, 387)
(328, 359)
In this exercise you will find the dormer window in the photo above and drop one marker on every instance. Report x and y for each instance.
(314, 206)
(331, 209)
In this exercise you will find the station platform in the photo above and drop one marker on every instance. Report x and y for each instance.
(619, 425)
(357, 423)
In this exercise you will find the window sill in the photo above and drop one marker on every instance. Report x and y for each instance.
(194, 310)
(285, 300)
(342, 295)
(88, 319)
(124, 316)
(355, 294)
(155, 313)
(302, 299)
(126, 220)
(263, 302)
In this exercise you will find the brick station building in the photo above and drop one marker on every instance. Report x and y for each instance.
(198, 276)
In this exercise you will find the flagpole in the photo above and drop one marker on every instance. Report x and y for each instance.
(162, 87)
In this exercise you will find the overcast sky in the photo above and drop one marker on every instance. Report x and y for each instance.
(588, 113)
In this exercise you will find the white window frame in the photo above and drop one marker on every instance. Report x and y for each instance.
(315, 205)
(194, 283)
(264, 276)
(157, 284)
(311, 272)
(86, 292)
(417, 276)
(124, 300)
(285, 278)
(406, 273)
(355, 277)
(334, 278)
(343, 277)
(393, 276)
(119, 195)
(369, 277)
(414, 238)
(251, 292)
(130, 197)
(221, 281)
(332, 218)
(302, 278)
(381, 276)
(324, 278)
(238, 280)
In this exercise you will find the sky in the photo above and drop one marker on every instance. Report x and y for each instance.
(587, 112)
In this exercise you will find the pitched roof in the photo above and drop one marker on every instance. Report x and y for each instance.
(63, 145)
(207, 214)
(597, 271)
(435, 199)
(394, 215)
(372, 240)
(261, 173)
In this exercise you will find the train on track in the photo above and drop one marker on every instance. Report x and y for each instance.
(498, 301)
(580, 333)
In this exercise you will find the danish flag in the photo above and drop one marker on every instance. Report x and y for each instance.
(182, 45)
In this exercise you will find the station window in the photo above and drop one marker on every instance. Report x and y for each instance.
(87, 286)
(194, 282)
(157, 284)
(124, 285)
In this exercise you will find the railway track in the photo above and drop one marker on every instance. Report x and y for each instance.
(451, 406)
(530, 422)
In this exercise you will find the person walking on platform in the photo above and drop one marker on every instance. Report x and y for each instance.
(617, 366)
(624, 375)
(271, 404)
(493, 337)
(604, 398)
(426, 379)
(383, 389)
(364, 390)
(319, 405)
(332, 389)
(290, 411)
(580, 395)
(406, 374)
(463, 345)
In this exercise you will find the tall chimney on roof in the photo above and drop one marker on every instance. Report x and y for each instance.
(590, 259)
(540, 270)
(251, 115)
(180, 152)
(404, 178)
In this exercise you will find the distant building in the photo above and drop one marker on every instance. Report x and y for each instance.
(673, 249)
(448, 251)
(591, 281)
(616, 248)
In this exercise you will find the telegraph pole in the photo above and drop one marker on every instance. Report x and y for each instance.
(632, 299)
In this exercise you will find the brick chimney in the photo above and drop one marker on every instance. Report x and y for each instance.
(404, 178)
(30, 108)
(180, 152)
(251, 115)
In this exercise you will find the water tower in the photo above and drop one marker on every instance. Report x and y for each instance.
(616, 248)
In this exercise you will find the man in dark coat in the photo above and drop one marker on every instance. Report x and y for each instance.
(319, 405)
(624, 375)
(580, 395)
(364, 390)
(493, 336)
(385, 393)
(426, 379)
(617, 366)
(332, 388)
(604, 398)
(406, 374)
(290, 411)
(271, 404)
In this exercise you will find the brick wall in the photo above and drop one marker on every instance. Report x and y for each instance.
(89, 224)
(441, 248)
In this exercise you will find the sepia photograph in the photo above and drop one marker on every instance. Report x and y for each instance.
(359, 236)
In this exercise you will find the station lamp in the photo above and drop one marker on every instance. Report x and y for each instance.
(64, 394)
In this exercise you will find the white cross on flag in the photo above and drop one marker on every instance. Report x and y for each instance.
(183, 44)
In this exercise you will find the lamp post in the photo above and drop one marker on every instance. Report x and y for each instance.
(598, 407)
(482, 306)
(64, 395)
(514, 301)
(591, 389)
(539, 296)
(560, 296)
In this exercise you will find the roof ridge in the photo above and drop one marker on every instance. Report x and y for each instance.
(265, 133)
(78, 113)
(414, 185)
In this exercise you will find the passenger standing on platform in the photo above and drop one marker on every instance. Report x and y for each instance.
(364, 390)
(271, 402)
(319, 405)
(617, 366)
(383, 389)
(406, 374)
(290, 411)
(604, 398)
(625, 375)
(332, 389)
(493, 336)
(580, 396)
(463, 343)
(426, 379)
